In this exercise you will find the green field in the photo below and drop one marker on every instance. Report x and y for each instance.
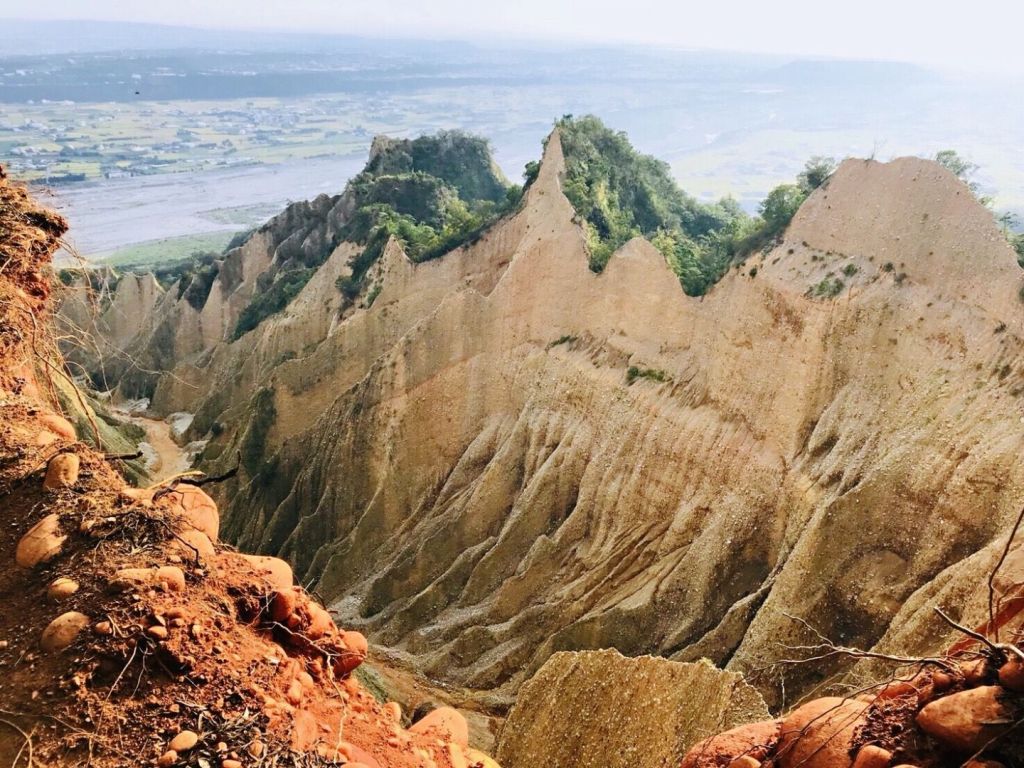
(168, 249)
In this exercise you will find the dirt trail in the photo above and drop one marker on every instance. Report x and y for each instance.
(166, 458)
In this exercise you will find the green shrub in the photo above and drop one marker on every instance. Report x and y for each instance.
(566, 339)
(373, 294)
(828, 288)
(619, 194)
(653, 374)
(460, 160)
(850, 270)
(273, 299)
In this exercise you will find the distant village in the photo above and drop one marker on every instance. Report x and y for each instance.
(82, 143)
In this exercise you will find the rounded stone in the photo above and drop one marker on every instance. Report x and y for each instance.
(172, 577)
(58, 425)
(820, 733)
(131, 578)
(1011, 675)
(872, 756)
(282, 605)
(62, 631)
(276, 573)
(184, 741)
(968, 720)
(756, 740)
(42, 543)
(197, 509)
(444, 721)
(393, 711)
(61, 472)
(62, 588)
(320, 621)
(191, 542)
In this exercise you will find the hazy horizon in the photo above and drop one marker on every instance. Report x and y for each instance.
(938, 34)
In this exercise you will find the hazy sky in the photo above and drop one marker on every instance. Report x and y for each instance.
(973, 35)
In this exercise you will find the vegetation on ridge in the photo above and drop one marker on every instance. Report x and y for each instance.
(964, 169)
(620, 193)
(433, 194)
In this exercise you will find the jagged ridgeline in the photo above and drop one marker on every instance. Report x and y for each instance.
(489, 457)
(432, 193)
(435, 193)
(620, 194)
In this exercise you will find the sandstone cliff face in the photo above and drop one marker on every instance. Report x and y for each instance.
(468, 469)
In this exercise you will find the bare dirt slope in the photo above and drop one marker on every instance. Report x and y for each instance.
(130, 635)
(507, 455)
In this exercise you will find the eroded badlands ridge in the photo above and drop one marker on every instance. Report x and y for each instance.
(468, 469)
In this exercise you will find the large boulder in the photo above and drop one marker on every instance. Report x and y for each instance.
(599, 709)
(968, 720)
(820, 734)
(197, 509)
(754, 740)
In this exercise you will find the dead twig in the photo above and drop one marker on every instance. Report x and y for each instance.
(992, 577)
(1000, 650)
(27, 744)
(122, 456)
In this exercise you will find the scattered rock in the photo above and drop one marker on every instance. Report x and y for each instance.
(61, 588)
(184, 741)
(58, 425)
(282, 605)
(872, 756)
(103, 628)
(62, 631)
(41, 544)
(820, 733)
(967, 720)
(446, 722)
(197, 509)
(229, 763)
(157, 632)
(61, 472)
(393, 710)
(755, 739)
(171, 576)
(167, 759)
(1011, 675)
